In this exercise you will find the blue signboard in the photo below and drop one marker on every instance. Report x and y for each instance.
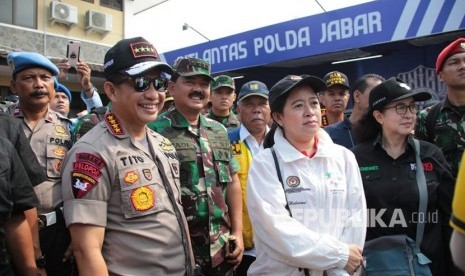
(354, 27)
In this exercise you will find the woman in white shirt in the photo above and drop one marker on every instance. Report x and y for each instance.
(314, 220)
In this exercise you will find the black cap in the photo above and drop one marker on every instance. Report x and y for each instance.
(289, 82)
(336, 78)
(392, 90)
(133, 56)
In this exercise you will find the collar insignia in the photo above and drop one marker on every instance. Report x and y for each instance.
(114, 124)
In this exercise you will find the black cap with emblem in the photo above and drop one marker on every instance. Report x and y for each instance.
(133, 57)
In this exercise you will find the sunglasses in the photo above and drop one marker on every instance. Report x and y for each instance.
(142, 84)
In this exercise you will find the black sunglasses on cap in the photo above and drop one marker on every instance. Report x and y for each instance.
(142, 84)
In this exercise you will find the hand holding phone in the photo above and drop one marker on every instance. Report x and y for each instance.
(73, 51)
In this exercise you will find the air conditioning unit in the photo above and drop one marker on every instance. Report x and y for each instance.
(98, 22)
(63, 13)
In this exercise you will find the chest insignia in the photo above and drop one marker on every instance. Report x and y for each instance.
(59, 152)
(293, 181)
(166, 145)
(147, 174)
(60, 131)
(131, 177)
(142, 198)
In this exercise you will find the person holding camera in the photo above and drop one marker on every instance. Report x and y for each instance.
(89, 94)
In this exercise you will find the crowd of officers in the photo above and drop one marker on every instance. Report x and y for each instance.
(128, 190)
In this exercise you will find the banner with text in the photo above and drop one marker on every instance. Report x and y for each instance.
(353, 27)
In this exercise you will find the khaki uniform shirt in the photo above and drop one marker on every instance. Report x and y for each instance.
(50, 141)
(111, 180)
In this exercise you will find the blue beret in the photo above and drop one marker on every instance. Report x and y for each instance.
(19, 61)
(61, 88)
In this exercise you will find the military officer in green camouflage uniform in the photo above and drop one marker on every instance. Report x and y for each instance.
(211, 192)
(222, 99)
(444, 123)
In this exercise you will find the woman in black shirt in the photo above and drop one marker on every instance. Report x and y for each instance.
(386, 158)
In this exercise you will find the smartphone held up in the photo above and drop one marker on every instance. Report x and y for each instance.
(73, 51)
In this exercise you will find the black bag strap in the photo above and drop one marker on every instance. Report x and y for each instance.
(280, 177)
(278, 171)
(423, 194)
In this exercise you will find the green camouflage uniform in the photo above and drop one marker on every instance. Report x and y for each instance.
(230, 122)
(449, 132)
(206, 165)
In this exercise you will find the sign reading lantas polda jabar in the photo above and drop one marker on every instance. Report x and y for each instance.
(353, 27)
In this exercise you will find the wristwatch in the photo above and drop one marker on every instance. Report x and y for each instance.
(41, 262)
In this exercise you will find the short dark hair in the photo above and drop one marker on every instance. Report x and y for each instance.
(362, 83)
(117, 78)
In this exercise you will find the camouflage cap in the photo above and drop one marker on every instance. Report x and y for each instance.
(222, 81)
(189, 66)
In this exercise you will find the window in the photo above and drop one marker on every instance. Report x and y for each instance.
(112, 4)
(19, 12)
(90, 1)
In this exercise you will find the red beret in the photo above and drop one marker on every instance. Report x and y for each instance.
(458, 46)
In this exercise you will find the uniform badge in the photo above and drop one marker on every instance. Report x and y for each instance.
(147, 174)
(131, 177)
(293, 181)
(58, 165)
(87, 168)
(82, 184)
(143, 49)
(114, 124)
(142, 198)
(60, 131)
(166, 145)
(59, 152)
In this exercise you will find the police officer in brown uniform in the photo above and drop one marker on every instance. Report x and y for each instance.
(49, 136)
(121, 185)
